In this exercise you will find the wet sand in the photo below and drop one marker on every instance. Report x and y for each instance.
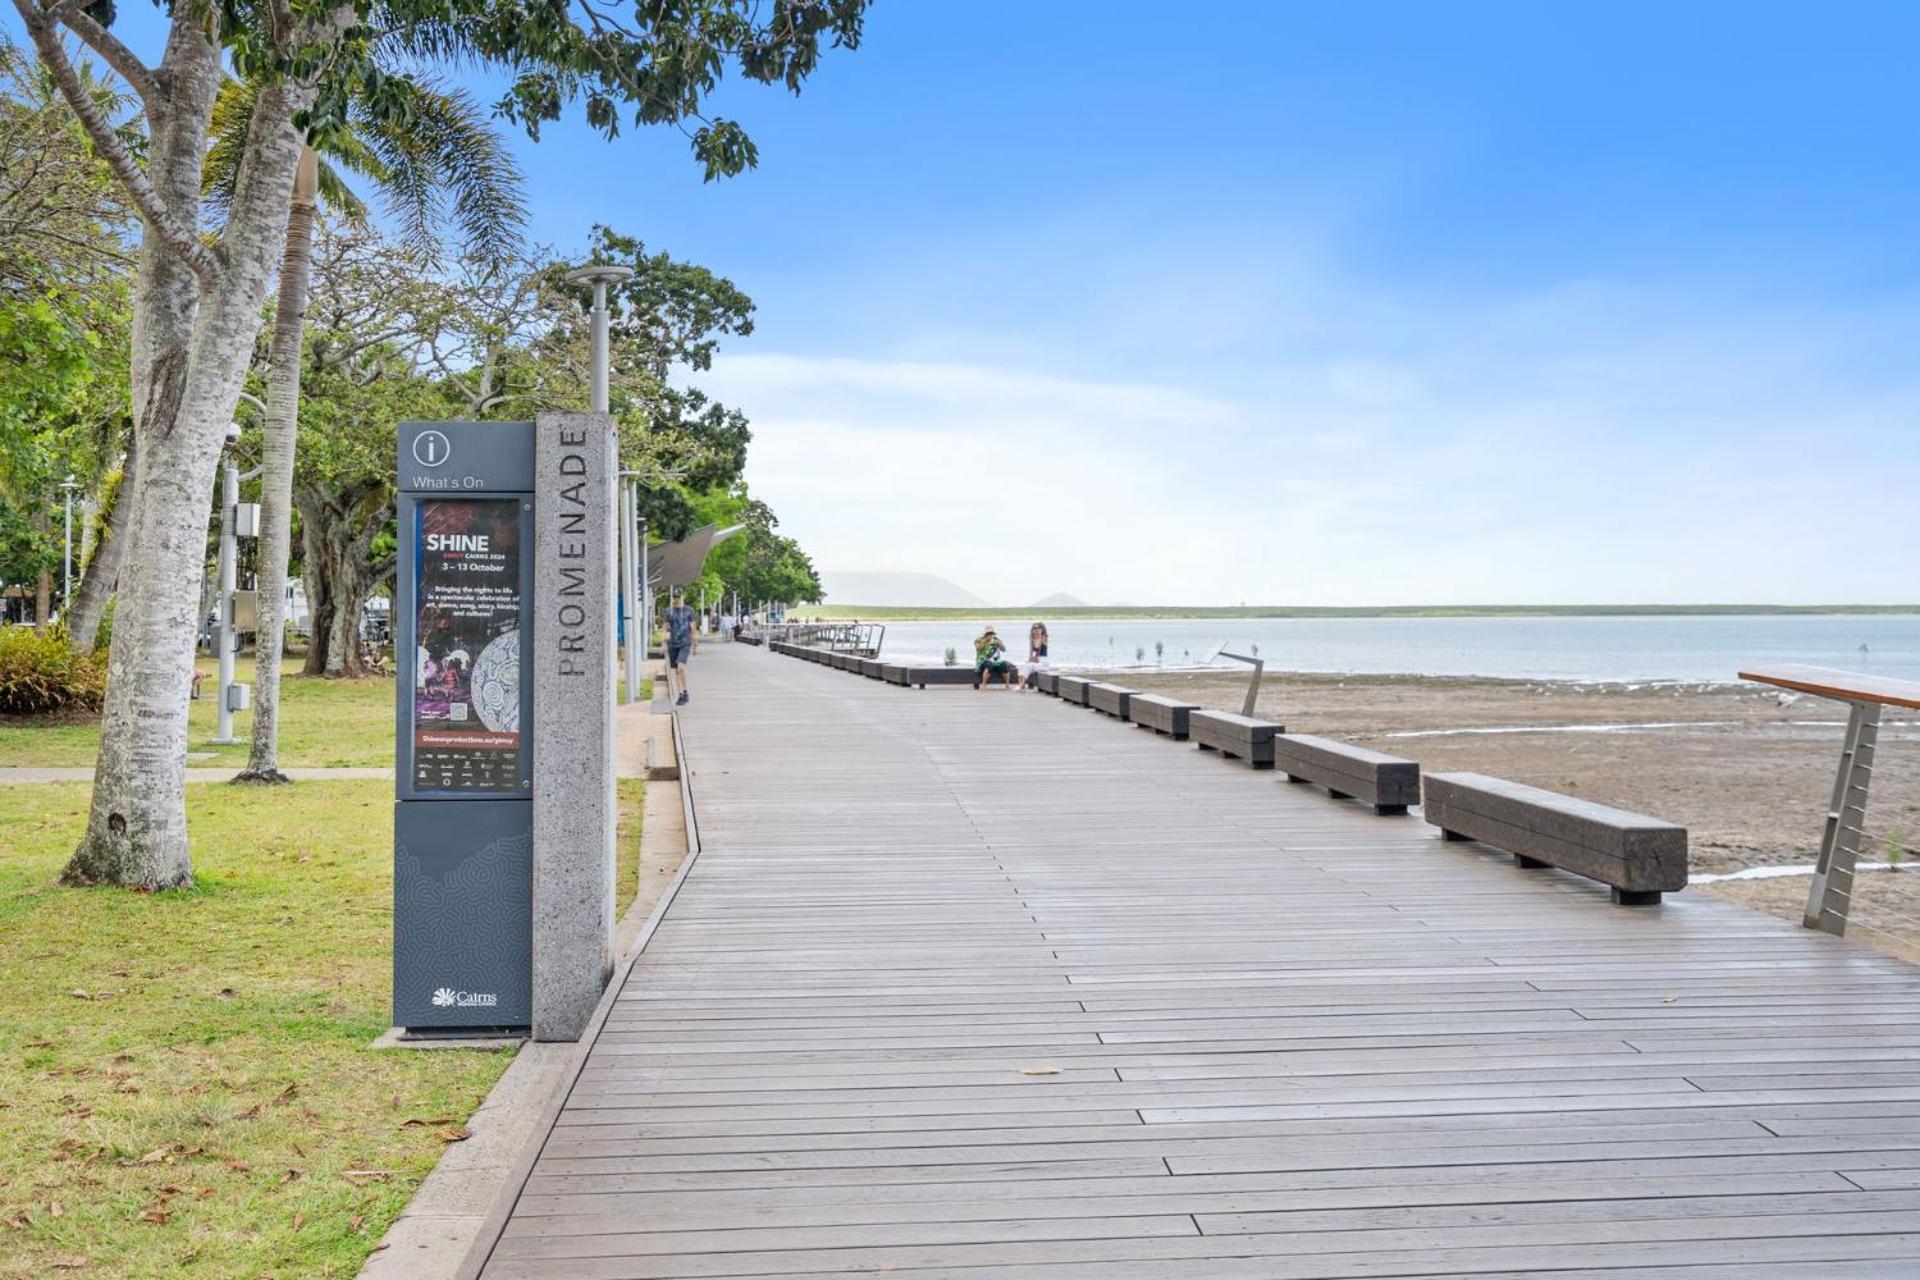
(1747, 770)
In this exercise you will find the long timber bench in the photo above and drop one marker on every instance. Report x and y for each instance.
(1073, 689)
(1237, 737)
(1638, 857)
(868, 667)
(1047, 682)
(1109, 699)
(1388, 783)
(1161, 714)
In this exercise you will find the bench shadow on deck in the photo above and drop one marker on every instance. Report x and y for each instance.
(980, 985)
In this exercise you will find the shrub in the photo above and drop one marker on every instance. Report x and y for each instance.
(40, 673)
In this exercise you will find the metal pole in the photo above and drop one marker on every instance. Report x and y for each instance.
(646, 587)
(223, 600)
(66, 585)
(620, 571)
(637, 639)
(599, 346)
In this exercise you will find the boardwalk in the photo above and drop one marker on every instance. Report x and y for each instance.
(992, 988)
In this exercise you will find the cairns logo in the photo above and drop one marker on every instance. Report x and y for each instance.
(448, 998)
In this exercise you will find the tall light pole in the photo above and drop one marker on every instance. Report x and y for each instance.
(598, 275)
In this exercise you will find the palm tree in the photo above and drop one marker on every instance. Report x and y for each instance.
(438, 158)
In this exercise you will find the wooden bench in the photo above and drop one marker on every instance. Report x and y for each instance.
(1638, 857)
(1161, 714)
(1237, 737)
(1073, 689)
(1109, 699)
(868, 667)
(1047, 682)
(1386, 782)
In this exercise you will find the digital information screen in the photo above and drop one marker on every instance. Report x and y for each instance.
(467, 611)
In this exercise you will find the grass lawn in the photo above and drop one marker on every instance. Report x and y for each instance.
(185, 1077)
(323, 724)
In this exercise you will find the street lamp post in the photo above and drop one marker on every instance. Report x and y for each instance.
(597, 276)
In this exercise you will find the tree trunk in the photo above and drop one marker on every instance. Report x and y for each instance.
(280, 435)
(137, 828)
(102, 573)
(336, 539)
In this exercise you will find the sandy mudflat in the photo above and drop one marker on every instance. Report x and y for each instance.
(1749, 777)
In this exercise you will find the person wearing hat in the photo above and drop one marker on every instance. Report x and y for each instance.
(990, 659)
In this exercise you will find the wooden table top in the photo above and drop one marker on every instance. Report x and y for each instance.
(1825, 682)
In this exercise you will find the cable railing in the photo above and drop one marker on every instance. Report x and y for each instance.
(862, 639)
(1830, 901)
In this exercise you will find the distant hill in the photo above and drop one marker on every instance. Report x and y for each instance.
(1061, 600)
(899, 590)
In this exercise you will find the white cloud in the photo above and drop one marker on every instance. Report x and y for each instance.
(1583, 445)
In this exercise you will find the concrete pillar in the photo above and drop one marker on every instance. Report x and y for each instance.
(573, 657)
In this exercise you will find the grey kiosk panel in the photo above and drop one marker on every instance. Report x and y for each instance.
(463, 816)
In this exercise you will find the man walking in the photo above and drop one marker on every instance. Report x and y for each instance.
(680, 642)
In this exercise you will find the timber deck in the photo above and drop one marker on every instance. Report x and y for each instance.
(984, 986)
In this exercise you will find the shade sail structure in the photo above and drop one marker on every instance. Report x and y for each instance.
(675, 564)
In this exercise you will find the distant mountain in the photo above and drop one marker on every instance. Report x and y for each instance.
(907, 590)
(1060, 600)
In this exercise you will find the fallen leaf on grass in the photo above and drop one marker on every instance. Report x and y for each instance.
(79, 994)
(239, 1166)
(426, 1124)
(299, 1221)
(359, 1177)
(156, 1155)
(55, 1209)
(289, 1175)
(455, 1135)
(18, 1224)
(158, 1216)
(358, 1223)
(73, 1262)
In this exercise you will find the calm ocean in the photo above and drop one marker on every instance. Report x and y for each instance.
(1690, 648)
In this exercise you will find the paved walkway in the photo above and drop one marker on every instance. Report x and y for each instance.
(988, 987)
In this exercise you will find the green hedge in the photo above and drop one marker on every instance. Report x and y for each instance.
(40, 673)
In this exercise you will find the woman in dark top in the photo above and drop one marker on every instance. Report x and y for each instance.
(1036, 653)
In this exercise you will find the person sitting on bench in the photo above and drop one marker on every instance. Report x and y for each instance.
(990, 659)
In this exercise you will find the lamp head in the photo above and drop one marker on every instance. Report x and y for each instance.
(599, 273)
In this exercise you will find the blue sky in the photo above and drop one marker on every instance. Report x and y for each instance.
(1343, 303)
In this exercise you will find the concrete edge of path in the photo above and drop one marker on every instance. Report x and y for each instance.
(449, 1229)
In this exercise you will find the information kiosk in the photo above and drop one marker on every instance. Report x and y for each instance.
(463, 814)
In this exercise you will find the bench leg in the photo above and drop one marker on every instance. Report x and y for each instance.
(1452, 835)
(1385, 810)
(1203, 746)
(1637, 897)
(1296, 779)
(1531, 864)
(1338, 795)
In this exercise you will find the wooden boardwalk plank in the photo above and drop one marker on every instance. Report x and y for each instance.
(966, 984)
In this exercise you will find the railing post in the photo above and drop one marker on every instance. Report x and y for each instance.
(1831, 897)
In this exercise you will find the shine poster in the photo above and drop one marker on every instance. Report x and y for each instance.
(466, 705)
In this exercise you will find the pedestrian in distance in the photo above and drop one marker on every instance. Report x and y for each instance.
(681, 642)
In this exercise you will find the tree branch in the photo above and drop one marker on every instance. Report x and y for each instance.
(116, 55)
(175, 234)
